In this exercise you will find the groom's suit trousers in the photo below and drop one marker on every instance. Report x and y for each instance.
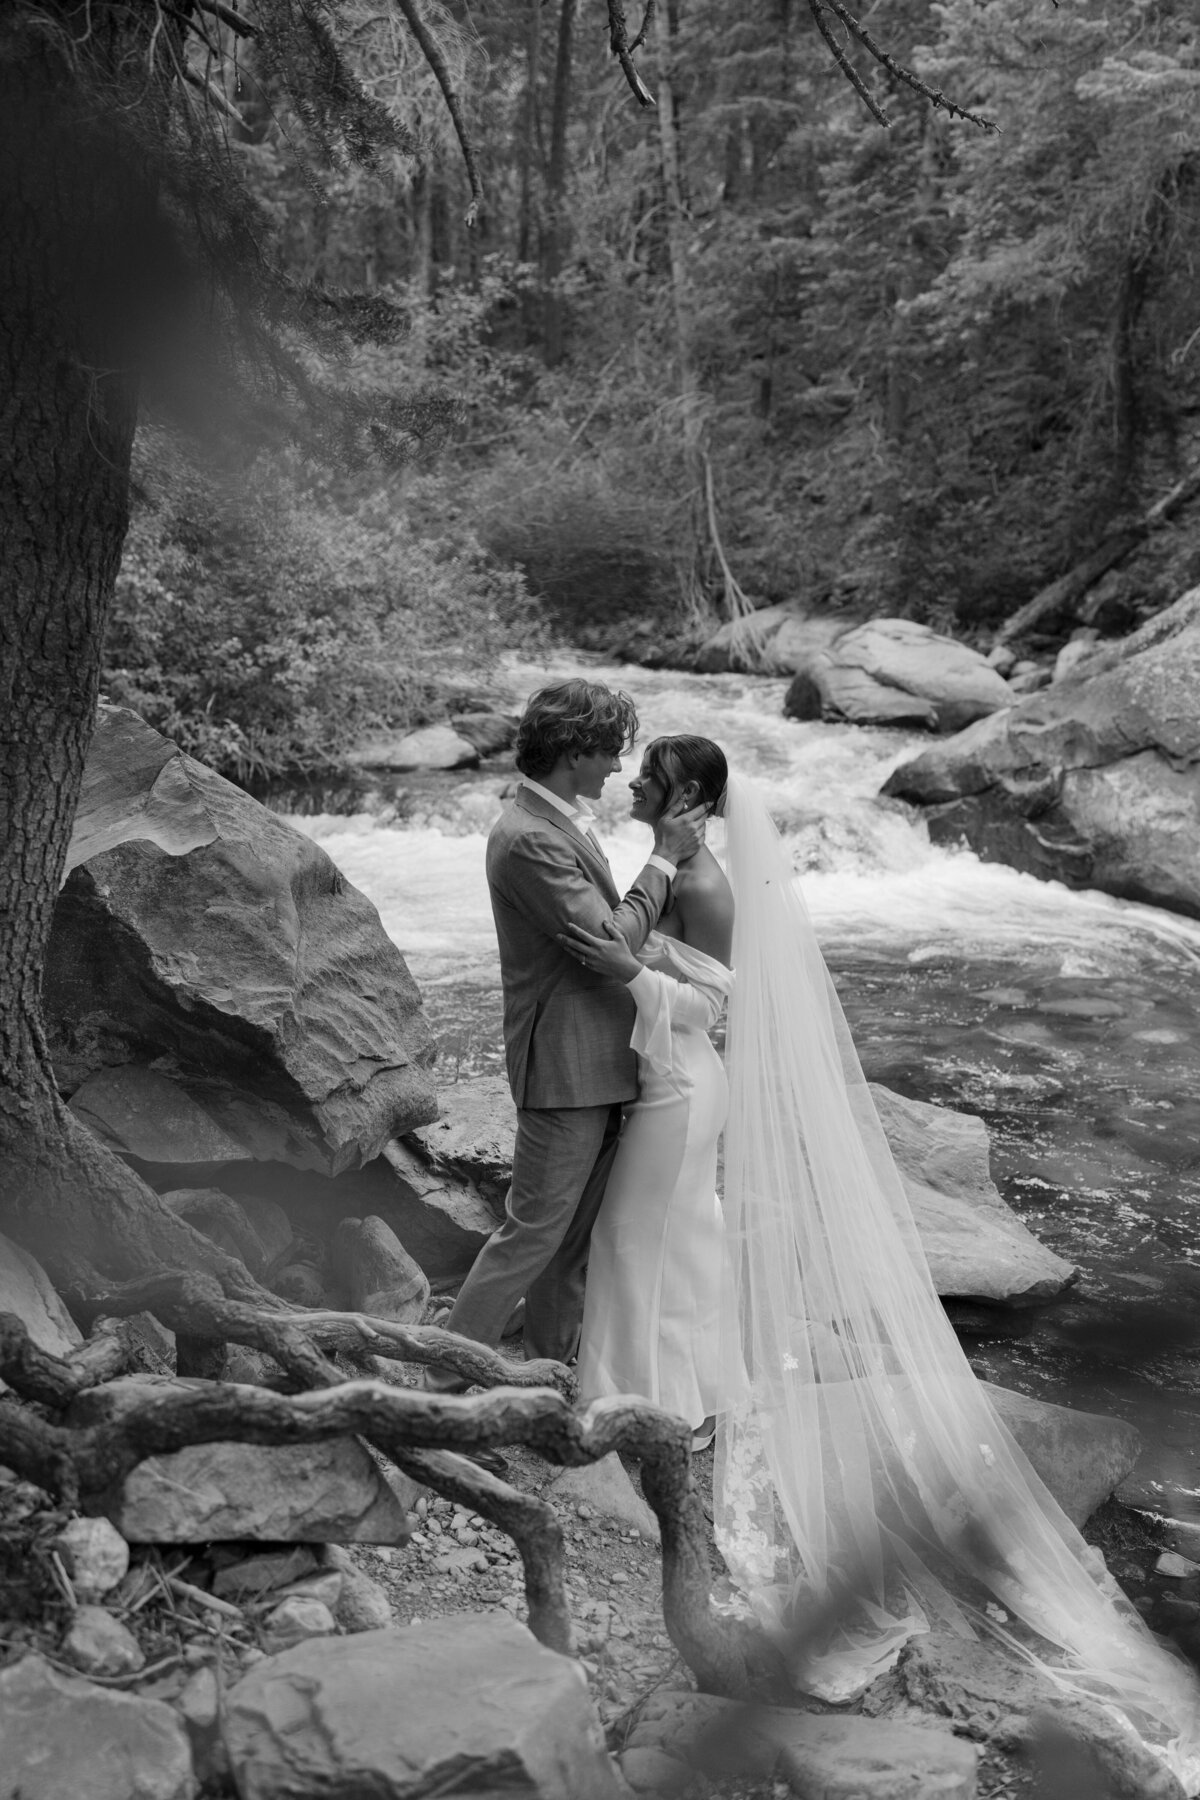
(561, 1162)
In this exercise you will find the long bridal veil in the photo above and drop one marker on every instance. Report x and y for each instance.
(863, 1477)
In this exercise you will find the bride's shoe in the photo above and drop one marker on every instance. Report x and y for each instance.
(703, 1435)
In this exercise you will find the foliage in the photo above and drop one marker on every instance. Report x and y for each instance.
(266, 628)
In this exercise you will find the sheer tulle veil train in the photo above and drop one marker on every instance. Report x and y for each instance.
(862, 1474)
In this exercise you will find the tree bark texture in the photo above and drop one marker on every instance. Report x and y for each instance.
(77, 236)
(555, 235)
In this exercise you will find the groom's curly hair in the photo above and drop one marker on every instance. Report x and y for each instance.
(573, 715)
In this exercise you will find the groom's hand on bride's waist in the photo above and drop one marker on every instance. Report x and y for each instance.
(679, 833)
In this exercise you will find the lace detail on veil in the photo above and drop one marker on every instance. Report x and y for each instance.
(864, 1481)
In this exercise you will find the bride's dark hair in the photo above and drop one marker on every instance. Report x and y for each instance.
(677, 760)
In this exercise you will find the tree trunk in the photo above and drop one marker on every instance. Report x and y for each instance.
(528, 143)
(554, 242)
(74, 218)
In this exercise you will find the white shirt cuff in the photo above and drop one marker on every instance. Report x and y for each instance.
(669, 869)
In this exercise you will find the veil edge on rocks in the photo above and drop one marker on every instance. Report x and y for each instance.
(863, 1478)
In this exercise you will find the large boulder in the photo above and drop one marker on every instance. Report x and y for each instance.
(62, 1736)
(896, 672)
(1095, 781)
(1082, 1457)
(976, 1245)
(236, 950)
(775, 640)
(432, 747)
(483, 1709)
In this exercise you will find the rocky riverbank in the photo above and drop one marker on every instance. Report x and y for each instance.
(296, 1615)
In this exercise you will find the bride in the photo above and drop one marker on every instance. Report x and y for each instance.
(862, 1475)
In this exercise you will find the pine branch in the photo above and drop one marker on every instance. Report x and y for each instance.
(431, 51)
(647, 19)
(817, 8)
(236, 23)
(622, 49)
(897, 70)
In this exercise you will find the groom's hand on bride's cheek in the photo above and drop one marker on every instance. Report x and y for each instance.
(679, 833)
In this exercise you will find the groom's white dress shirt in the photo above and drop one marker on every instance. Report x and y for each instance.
(583, 816)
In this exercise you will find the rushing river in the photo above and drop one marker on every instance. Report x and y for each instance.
(1068, 1021)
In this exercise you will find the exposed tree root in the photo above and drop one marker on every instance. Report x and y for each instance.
(86, 1466)
(195, 1306)
(532, 1525)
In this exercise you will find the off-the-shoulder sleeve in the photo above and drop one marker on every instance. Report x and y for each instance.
(663, 1002)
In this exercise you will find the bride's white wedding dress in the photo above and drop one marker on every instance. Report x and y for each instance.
(863, 1479)
(653, 1305)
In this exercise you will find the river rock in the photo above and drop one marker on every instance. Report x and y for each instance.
(490, 732)
(606, 1488)
(992, 1698)
(774, 640)
(439, 1217)
(94, 1554)
(478, 1694)
(199, 1707)
(296, 1619)
(362, 1604)
(1094, 782)
(976, 1245)
(329, 1490)
(98, 1644)
(236, 949)
(836, 1758)
(63, 1736)
(260, 1574)
(26, 1291)
(223, 1220)
(1082, 1457)
(473, 1137)
(896, 672)
(432, 747)
(376, 1273)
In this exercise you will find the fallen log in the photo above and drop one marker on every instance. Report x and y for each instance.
(1054, 604)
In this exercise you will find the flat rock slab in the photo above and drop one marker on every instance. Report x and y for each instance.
(329, 1491)
(1082, 1457)
(976, 1245)
(820, 1756)
(990, 1696)
(469, 1705)
(605, 1488)
(63, 1738)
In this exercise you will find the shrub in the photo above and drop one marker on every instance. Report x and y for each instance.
(267, 629)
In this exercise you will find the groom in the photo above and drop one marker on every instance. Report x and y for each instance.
(566, 1028)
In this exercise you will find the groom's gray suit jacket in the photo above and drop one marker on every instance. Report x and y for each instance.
(566, 1028)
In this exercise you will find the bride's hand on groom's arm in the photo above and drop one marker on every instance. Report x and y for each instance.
(679, 833)
(607, 955)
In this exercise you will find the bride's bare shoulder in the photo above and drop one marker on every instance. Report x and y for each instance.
(705, 902)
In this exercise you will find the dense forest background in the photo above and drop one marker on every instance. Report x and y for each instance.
(744, 347)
